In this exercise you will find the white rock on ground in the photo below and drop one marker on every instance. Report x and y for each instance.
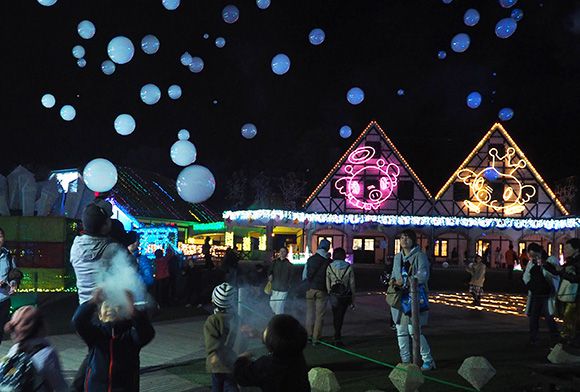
(477, 371)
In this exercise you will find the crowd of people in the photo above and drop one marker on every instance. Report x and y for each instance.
(113, 320)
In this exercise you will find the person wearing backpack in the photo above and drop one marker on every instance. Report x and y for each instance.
(341, 287)
(31, 364)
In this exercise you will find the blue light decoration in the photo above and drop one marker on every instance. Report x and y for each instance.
(473, 100)
(261, 216)
(345, 132)
(150, 44)
(129, 221)
(280, 64)
(152, 238)
(355, 96)
(491, 174)
(441, 55)
(507, 3)
(506, 114)
(108, 67)
(471, 17)
(517, 14)
(230, 14)
(460, 43)
(86, 29)
(316, 36)
(78, 52)
(263, 4)
(505, 28)
(220, 42)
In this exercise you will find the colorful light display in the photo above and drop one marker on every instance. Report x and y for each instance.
(360, 166)
(514, 194)
(156, 237)
(403, 220)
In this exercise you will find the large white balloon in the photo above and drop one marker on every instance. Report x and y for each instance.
(124, 124)
(100, 175)
(78, 52)
(86, 29)
(48, 101)
(171, 5)
(195, 184)
(121, 50)
(108, 67)
(183, 134)
(150, 94)
(183, 153)
(68, 113)
(47, 3)
(174, 91)
(150, 44)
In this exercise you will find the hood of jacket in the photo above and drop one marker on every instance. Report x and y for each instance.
(339, 264)
(416, 249)
(88, 248)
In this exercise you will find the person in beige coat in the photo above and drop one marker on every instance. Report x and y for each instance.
(341, 288)
(477, 272)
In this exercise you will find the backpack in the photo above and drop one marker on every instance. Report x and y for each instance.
(17, 372)
(339, 289)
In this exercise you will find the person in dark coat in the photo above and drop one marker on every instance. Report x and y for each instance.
(316, 296)
(284, 369)
(114, 339)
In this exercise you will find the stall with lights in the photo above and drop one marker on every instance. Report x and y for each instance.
(495, 198)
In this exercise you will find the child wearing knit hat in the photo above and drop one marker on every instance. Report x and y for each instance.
(223, 339)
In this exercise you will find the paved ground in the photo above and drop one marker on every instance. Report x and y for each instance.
(174, 361)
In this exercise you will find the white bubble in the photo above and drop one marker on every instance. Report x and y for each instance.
(108, 67)
(183, 134)
(174, 91)
(195, 184)
(121, 50)
(171, 5)
(100, 175)
(86, 29)
(47, 3)
(124, 124)
(81, 63)
(78, 52)
(150, 44)
(48, 101)
(150, 94)
(68, 113)
(183, 153)
(197, 65)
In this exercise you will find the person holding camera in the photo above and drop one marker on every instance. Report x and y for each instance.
(9, 277)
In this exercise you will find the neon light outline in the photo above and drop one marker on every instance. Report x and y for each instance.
(482, 192)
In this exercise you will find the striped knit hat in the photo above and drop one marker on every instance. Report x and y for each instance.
(223, 295)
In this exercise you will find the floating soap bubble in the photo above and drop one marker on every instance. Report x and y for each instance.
(345, 132)
(263, 4)
(171, 5)
(86, 29)
(120, 50)
(220, 42)
(183, 134)
(195, 184)
(47, 3)
(196, 65)
(507, 3)
(474, 100)
(68, 113)
(447, 1)
(445, 264)
(460, 43)
(505, 114)
(230, 14)
(48, 100)
(316, 36)
(174, 91)
(78, 52)
(186, 59)
(249, 131)
(471, 17)
(280, 64)
(400, 92)
(206, 36)
(214, 102)
(81, 63)
(150, 94)
(441, 55)
(100, 175)
(506, 27)
(124, 124)
(355, 96)
(517, 14)
(108, 67)
(183, 153)
(150, 44)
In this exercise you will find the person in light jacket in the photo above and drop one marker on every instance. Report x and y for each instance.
(412, 259)
(542, 287)
(280, 274)
(340, 274)
(477, 272)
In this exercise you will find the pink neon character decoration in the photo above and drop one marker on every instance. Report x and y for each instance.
(361, 167)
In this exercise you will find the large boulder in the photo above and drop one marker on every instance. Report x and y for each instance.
(477, 371)
(559, 356)
(407, 377)
(323, 380)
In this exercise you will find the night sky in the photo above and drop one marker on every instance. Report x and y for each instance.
(380, 46)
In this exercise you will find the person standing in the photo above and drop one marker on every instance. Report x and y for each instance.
(341, 288)
(524, 259)
(7, 283)
(411, 263)
(477, 272)
(570, 305)
(162, 277)
(316, 295)
(206, 251)
(542, 286)
(511, 257)
(280, 274)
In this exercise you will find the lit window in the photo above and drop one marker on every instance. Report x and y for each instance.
(443, 248)
(560, 249)
(436, 250)
(357, 244)
(247, 244)
(522, 247)
(370, 244)
(440, 248)
(397, 247)
(549, 248)
(230, 239)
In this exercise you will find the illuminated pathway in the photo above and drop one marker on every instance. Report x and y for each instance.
(511, 304)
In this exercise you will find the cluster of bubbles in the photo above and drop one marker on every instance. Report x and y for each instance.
(67, 112)
(183, 152)
(195, 64)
